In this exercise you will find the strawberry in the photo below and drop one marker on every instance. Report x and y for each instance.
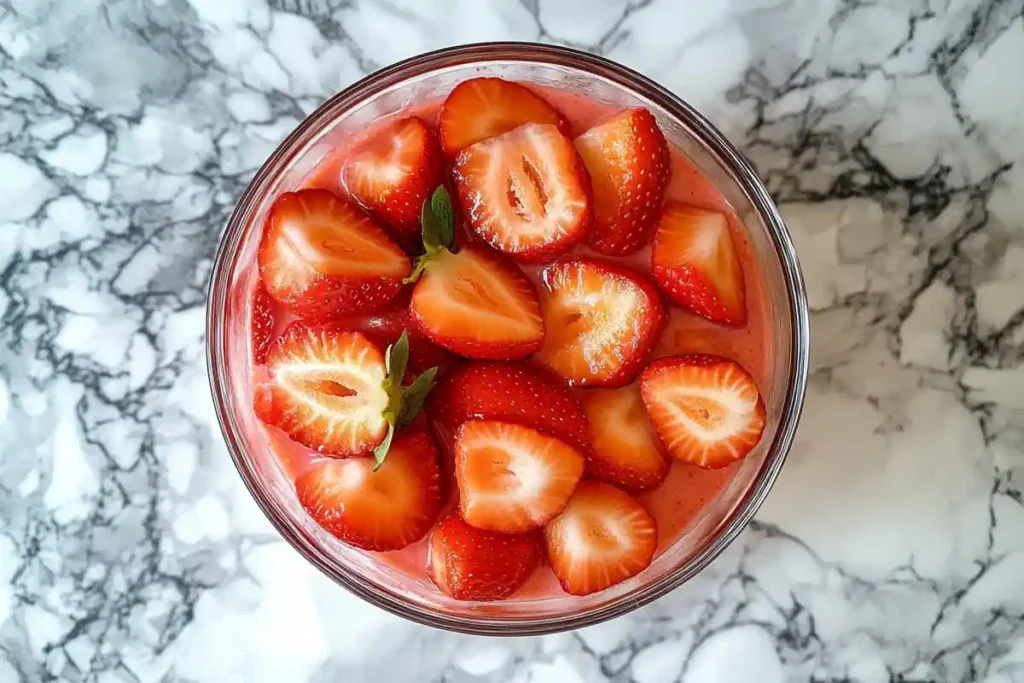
(482, 108)
(526, 192)
(603, 537)
(472, 302)
(261, 324)
(473, 564)
(628, 161)
(512, 478)
(706, 409)
(627, 452)
(376, 509)
(695, 263)
(509, 392)
(601, 319)
(335, 392)
(322, 256)
(393, 172)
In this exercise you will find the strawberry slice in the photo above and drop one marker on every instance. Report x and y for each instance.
(334, 391)
(603, 537)
(383, 509)
(509, 392)
(627, 452)
(393, 172)
(482, 108)
(261, 324)
(322, 256)
(601, 319)
(695, 263)
(472, 564)
(628, 161)
(512, 478)
(526, 192)
(706, 409)
(472, 302)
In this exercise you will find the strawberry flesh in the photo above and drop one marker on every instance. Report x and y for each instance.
(324, 389)
(512, 478)
(509, 392)
(383, 510)
(602, 321)
(706, 409)
(603, 537)
(526, 192)
(393, 172)
(322, 256)
(482, 108)
(695, 263)
(629, 165)
(473, 564)
(477, 304)
(627, 451)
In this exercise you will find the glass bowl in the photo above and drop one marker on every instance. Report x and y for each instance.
(431, 76)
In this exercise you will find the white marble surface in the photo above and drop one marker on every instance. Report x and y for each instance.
(892, 548)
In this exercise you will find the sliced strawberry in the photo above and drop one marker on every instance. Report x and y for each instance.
(379, 510)
(509, 392)
(695, 263)
(526, 192)
(472, 564)
(706, 409)
(603, 537)
(330, 390)
(627, 452)
(482, 108)
(393, 172)
(321, 256)
(385, 327)
(628, 161)
(512, 478)
(478, 305)
(261, 324)
(601, 319)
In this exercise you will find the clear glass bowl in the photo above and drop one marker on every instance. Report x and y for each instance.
(429, 77)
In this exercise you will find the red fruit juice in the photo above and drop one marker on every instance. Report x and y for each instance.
(678, 502)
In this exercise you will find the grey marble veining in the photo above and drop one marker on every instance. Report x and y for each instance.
(892, 547)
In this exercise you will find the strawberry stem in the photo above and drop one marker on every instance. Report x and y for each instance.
(437, 225)
(404, 402)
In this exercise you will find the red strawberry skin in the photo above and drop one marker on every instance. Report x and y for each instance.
(629, 164)
(511, 392)
(261, 324)
(472, 564)
(311, 265)
(383, 510)
(393, 172)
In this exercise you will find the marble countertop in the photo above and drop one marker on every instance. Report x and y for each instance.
(892, 547)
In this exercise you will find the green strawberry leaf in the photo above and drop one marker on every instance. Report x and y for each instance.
(415, 395)
(404, 402)
(444, 216)
(437, 228)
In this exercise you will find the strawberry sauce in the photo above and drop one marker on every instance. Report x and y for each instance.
(679, 501)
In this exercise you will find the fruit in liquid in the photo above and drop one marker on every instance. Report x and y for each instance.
(687, 490)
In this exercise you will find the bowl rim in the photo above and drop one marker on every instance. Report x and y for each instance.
(743, 174)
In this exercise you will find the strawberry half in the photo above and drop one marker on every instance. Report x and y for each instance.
(509, 392)
(706, 409)
(482, 108)
(335, 392)
(695, 263)
(384, 509)
(322, 256)
(627, 452)
(472, 564)
(603, 537)
(472, 302)
(601, 319)
(393, 172)
(512, 478)
(629, 165)
(526, 192)
(261, 324)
